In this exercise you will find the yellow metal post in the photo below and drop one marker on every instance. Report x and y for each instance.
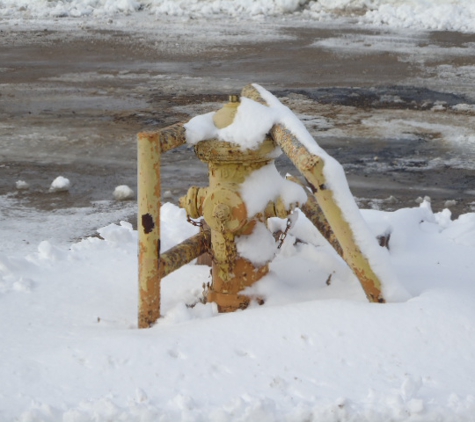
(148, 226)
(150, 145)
(311, 167)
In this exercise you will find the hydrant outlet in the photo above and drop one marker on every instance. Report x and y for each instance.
(190, 202)
(224, 210)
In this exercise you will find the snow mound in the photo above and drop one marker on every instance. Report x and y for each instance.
(123, 193)
(60, 184)
(22, 185)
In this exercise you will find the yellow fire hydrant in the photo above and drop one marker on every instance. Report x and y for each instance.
(225, 212)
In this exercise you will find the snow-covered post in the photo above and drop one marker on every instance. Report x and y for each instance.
(149, 148)
(311, 167)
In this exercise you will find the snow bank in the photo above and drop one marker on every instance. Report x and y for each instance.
(22, 229)
(456, 15)
(316, 350)
(76, 8)
(436, 15)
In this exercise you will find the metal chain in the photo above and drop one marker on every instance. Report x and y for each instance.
(198, 223)
(283, 235)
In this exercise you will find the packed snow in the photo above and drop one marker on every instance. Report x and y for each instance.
(266, 184)
(454, 15)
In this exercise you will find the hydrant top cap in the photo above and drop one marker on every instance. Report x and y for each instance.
(225, 116)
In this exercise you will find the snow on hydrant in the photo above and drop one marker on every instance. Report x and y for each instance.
(244, 190)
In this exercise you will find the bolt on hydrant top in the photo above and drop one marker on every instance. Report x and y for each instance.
(225, 116)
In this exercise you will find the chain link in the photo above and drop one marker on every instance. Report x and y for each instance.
(283, 235)
(201, 224)
(198, 223)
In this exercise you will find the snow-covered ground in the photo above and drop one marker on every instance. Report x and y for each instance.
(71, 350)
(316, 350)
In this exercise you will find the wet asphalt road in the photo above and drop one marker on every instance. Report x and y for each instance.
(71, 103)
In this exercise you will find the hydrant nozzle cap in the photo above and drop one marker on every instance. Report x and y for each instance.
(225, 116)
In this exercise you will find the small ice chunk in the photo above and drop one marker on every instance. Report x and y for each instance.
(22, 185)
(60, 184)
(450, 203)
(168, 194)
(123, 192)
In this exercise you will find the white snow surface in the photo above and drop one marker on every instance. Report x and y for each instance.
(316, 350)
(259, 247)
(458, 15)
